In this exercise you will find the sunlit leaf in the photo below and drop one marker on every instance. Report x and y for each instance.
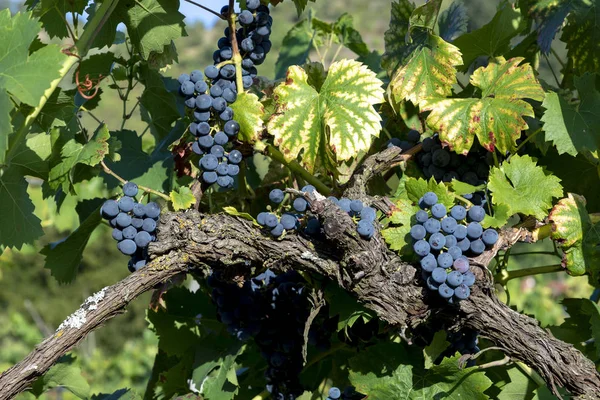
(248, 111)
(182, 198)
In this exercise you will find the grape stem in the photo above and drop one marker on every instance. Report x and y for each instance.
(458, 197)
(235, 49)
(503, 277)
(205, 8)
(276, 155)
(123, 181)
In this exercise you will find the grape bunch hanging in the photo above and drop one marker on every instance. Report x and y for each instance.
(209, 94)
(297, 218)
(133, 223)
(442, 242)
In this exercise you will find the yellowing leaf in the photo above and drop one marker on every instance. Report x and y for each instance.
(182, 199)
(428, 72)
(336, 120)
(248, 111)
(497, 117)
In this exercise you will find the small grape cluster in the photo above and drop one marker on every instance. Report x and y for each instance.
(465, 342)
(297, 219)
(442, 241)
(133, 223)
(412, 139)
(273, 310)
(209, 95)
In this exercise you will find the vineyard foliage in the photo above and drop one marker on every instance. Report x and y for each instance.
(333, 102)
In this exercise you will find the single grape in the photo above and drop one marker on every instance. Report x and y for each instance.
(200, 88)
(450, 241)
(365, 229)
(222, 169)
(130, 189)
(196, 148)
(356, 206)
(142, 239)
(421, 216)
(231, 128)
(445, 291)
(454, 279)
(432, 225)
(438, 210)
(110, 209)
(149, 225)
(228, 71)
(437, 241)
(333, 199)
(454, 251)
(229, 95)
(152, 210)
(477, 247)
(201, 116)
(126, 203)
(219, 105)
(271, 220)
(196, 76)
(468, 278)
(137, 222)
(308, 189)
(252, 4)
(183, 78)
(129, 232)
(413, 136)
(221, 138)
(247, 45)
(489, 237)
(233, 170)
(344, 204)
(431, 199)
(117, 234)
(474, 230)
(203, 102)
(288, 221)
(277, 231)
(276, 196)
(245, 17)
(187, 88)
(210, 177)
(217, 150)
(449, 225)
(123, 220)
(444, 260)
(440, 158)
(476, 213)
(209, 162)
(439, 275)
(429, 263)
(127, 247)
(260, 218)
(422, 248)
(334, 393)
(235, 157)
(313, 226)
(368, 214)
(464, 245)
(418, 232)
(432, 285)
(461, 264)
(458, 213)
(300, 204)
(225, 181)
(462, 292)
(460, 232)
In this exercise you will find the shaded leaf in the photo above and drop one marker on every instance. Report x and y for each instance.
(425, 16)
(6, 106)
(295, 47)
(52, 14)
(434, 349)
(396, 36)
(582, 324)
(582, 35)
(453, 21)
(65, 375)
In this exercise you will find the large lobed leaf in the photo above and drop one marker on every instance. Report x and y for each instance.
(52, 14)
(497, 118)
(338, 117)
(523, 187)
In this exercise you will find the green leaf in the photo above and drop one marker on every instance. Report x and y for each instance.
(574, 128)
(437, 346)
(19, 224)
(582, 35)
(497, 118)
(350, 37)
(65, 375)
(26, 76)
(232, 211)
(461, 188)
(398, 238)
(582, 324)
(500, 217)
(453, 21)
(425, 16)
(249, 112)
(520, 386)
(524, 187)
(382, 372)
(60, 109)
(52, 14)
(416, 188)
(295, 47)
(300, 4)
(492, 39)
(429, 71)
(121, 394)
(182, 198)
(338, 118)
(64, 257)
(160, 104)
(31, 155)
(73, 153)
(6, 106)
(397, 34)
(151, 24)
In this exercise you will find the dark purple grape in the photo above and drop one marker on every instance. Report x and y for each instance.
(126, 203)
(110, 209)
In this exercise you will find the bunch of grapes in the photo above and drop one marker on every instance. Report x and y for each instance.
(133, 223)
(442, 241)
(412, 139)
(297, 218)
(208, 95)
(273, 310)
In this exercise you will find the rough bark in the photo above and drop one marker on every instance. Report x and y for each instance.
(367, 269)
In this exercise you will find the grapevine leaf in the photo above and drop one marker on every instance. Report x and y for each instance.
(74, 153)
(26, 76)
(59, 110)
(569, 219)
(96, 66)
(295, 47)
(342, 111)
(582, 324)
(453, 21)
(64, 257)
(492, 39)
(497, 118)
(575, 261)
(396, 36)
(429, 71)
(437, 346)
(248, 111)
(350, 37)
(524, 187)
(461, 188)
(31, 155)
(574, 129)
(6, 107)
(232, 211)
(300, 4)
(121, 394)
(397, 237)
(416, 188)
(160, 104)
(550, 21)
(19, 224)
(182, 198)
(107, 35)
(500, 217)
(382, 372)
(425, 16)
(519, 386)
(66, 375)
(582, 35)
(151, 24)
(52, 14)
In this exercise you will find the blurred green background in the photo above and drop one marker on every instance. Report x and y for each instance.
(121, 353)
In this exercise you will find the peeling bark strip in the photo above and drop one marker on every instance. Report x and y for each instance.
(388, 286)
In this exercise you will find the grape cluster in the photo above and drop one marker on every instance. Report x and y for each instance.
(442, 241)
(209, 94)
(412, 139)
(133, 223)
(273, 310)
(464, 341)
(297, 218)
